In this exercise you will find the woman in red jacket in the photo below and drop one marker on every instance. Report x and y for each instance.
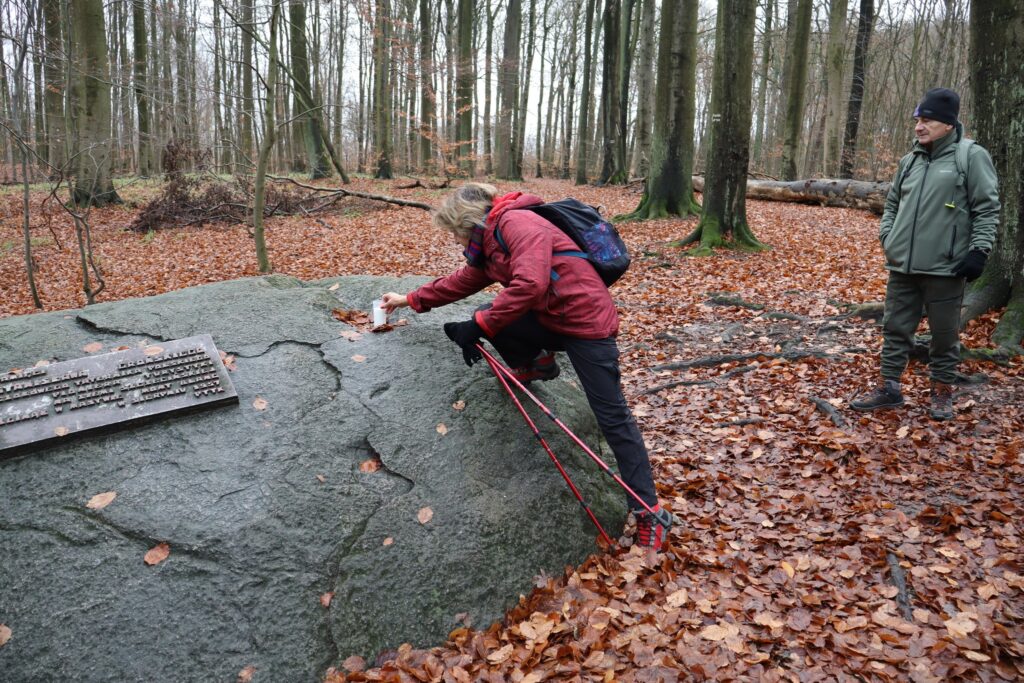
(550, 302)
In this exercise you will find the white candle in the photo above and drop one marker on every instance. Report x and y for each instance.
(380, 316)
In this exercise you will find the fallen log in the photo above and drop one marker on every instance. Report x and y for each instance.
(850, 194)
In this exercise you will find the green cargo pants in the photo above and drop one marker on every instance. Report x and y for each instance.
(905, 296)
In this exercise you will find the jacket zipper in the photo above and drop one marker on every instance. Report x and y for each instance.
(917, 209)
(952, 242)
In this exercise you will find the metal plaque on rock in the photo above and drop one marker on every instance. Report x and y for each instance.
(49, 403)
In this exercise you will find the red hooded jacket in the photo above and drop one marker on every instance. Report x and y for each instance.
(573, 302)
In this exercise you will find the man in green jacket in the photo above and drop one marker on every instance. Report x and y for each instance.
(937, 230)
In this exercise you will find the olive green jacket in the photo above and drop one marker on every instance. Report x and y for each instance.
(936, 212)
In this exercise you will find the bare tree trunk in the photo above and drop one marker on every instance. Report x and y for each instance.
(582, 140)
(669, 190)
(464, 88)
(311, 133)
(266, 146)
(427, 96)
(93, 184)
(524, 91)
(382, 90)
(834, 61)
(570, 106)
(645, 91)
(866, 21)
(796, 88)
(55, 86)
(610, 96)
(146, 166)
(488, 65)
(247, 66)
(762, 91)
(538, 170)
(18, 116)
(182, 117)
(725, 208)
(508, 96)
(997, 59)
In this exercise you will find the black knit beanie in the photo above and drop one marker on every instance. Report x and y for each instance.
(939, 104)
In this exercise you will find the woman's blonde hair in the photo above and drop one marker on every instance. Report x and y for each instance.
(464, 208)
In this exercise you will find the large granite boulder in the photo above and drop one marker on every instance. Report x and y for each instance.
(267, 511)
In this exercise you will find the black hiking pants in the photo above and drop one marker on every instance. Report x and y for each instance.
(596, 362)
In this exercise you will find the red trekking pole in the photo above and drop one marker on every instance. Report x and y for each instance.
(505, 373)
(495, 368)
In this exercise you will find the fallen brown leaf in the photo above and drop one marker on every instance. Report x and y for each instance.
(157, 554)
(354, 664)
(425, 515)
(101, 500)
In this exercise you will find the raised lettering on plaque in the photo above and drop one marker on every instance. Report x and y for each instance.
(52, 403)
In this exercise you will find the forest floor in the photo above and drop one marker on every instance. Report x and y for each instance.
(815, 543)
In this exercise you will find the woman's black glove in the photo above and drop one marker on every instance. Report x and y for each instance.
(467, 335)
(972, 265)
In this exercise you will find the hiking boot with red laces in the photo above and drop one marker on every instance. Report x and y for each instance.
(652, 529)
(542, 368)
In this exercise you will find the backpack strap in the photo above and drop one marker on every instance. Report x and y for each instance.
(554, 276)
(962, 159)
(905, 173)
(501, 241)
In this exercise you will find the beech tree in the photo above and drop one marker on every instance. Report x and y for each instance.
(427, 96)
(266, 145)
(645, 89)
(669, 187)
(505, 152)
(864, 24)
(613, 147)
(585, 98)
(382, 89)
(724, 218)
(90, 120)
(834, 62)
(54, 87)
(464, 88)
(796, 87)
(309, 131)
(997, 61)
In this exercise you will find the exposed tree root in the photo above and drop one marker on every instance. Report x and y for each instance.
(726, 299)
(740, 423)
(899, 579)
(710, 361)
(697, 382)
(653, 208)
(829, 410)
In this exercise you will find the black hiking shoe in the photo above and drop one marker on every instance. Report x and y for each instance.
(542, 368)
(886, 395)
(942, 401)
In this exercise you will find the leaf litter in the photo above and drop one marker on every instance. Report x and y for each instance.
(794, 526)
